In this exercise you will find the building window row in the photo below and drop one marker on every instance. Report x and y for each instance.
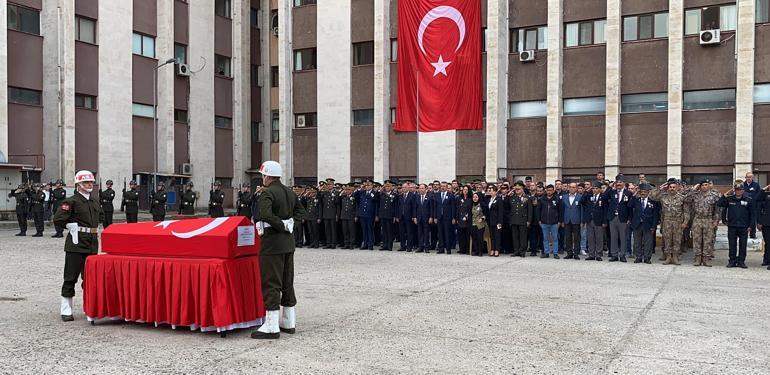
(763, 11)
(532, 38)
(222, 66)
(708, 99)
(85, 30)
(144, 45)
(143, 110)
(221, 122)
(23, 19)
(305, 59)
(85, 101)
(223, 8)
(299, 3)
(254, 17)
(180, 115)
(647, 26)
(585, 33)
(363, 53)
(275, 126)
(762, 93)
(180, 53)
(19, 95)
(363, 117)
(723, 17)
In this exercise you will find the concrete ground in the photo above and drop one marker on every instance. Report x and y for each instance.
(379, 312)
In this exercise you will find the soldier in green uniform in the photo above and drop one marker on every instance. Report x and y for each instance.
(37, 208)
(348, 216)
(106, 197)
(22, 207)
(187, 205)
(311, 219)
(244, 201)
(158, 203)
(216, 199)
(57, 197)
(130, 203)
(81, 214)
(279, 207)
(329, 204)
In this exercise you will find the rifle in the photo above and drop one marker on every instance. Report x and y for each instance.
(123, 198)
(211, 191)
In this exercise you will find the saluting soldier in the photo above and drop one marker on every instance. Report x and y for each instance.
(130, 203)
(299, 235)
(520, 218)
(216, 199)
(37, 208)
(158, 203)
(367, 210)
(386, 215)
(57, 197)
(348, 216)
(329, 199)
(244, 201)
(187, 205)
(311, 219)
(81, 214)
(22, 207)
(106, 197)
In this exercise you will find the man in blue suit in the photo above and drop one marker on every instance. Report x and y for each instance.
(645, 218)
(618, 203)
(572, 216)
(443, 215)
(422, 217)
(367, 210)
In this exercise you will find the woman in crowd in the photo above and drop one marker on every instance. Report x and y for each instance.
(478, 214)
(464, 218)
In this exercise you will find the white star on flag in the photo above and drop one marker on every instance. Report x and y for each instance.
(440, 66)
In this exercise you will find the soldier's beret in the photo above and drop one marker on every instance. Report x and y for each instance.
(703, 182)
(350, 184)
(377, 184)
(645, 186)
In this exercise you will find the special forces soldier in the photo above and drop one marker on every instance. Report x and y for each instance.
(705, 217)
(243, 204)
(187, 204)
(37, 209)
(81, 214)
(57, 197)
(216, 199)
(329, 200)
(158, 203)
(106, 197)
(348, 217)
(386, 215)
(130, 203)
(674, 218)
(22, 207)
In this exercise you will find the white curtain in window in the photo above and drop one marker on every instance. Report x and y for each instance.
(728, 17)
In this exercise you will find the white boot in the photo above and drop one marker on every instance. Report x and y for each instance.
(270, 329)
(288, 321)
(66, 309)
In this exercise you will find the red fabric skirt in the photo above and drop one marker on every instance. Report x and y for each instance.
(207, 294)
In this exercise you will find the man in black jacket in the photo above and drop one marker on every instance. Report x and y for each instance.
(549, 220)
(618, 202)
(740, 217)
(594, 211)
(762, 208)
(22, 207)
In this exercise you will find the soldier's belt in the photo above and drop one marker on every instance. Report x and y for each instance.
(88, 230)
(214, 203)
(131, 200)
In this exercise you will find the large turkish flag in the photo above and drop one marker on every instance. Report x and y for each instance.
(439, 63)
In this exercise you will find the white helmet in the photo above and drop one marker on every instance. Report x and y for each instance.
(271, 168)
(83, 176)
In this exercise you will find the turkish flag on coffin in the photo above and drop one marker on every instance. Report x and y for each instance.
(439, 62)
(224, 237)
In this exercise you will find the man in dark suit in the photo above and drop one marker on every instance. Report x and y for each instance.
(618, 202)
(367, 211)
(404, 211)
(422, 217)
(645, 218)
(495, 219)
(752, 190)
(594, 211)
(572, 216)
(444, 217)
(386, 214)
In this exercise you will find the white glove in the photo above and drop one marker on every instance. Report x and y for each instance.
(73, 228)
(288, 224)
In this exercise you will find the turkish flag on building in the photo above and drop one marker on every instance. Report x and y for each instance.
(439, 65)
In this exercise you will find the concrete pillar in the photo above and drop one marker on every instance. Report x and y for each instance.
(164, 46)
(241, 90)
(612, 114)
(334, 82)
(744, 98)
(497, 87)
(381, 89)
(264, 38)
(285, 85)
(437, 156)
(553, 128)
(675, 60)
(57, 21)
(4, 79)
(201, 107)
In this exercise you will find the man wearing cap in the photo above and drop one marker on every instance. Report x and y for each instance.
(279, 208)
(299, 226)
(37, 208)
(22, 207)
(311, 219)
(131, 203)
(520, 218)
(704, 215)
(618, 203)
(158, 203)
(386, 214)
(751, 189)
(644, 222)
(187, 203)
(367, 211)
(57, 197)
(329, 200)
(594, 214)
(81, 214)
(106, 197)
(740, 216)
(243, 204)
(347, 217)
(674, 218)
(216, 199)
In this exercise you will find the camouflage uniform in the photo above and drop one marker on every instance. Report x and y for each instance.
(673, 215)
(703, 215)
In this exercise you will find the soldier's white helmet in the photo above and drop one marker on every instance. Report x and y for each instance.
(84, 176)
(271, 168)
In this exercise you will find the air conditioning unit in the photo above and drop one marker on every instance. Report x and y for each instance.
(710, 37)
(187, 169)
(183, 70)
(301, 121)
(275, 31)
(528, 55)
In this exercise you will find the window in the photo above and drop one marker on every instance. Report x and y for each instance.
(584, 106)
(180, 53)
(723, 17)
(254, 15)
(653, 102)
(85, 30)
(392, 116)
(661, 25)
(763, 11)
(363, 53)
(528, 39)
(646, 26)
(762, 93)
(585, 33)
(23, 19)
(393, 50)
(363, 117)
(24, 96)
(222, 8)
(222, 64)
(143, 110)
(274, 127)
(255, 76)
(304, 59)
(144, 45)
(223, 122)
(484, 40)
(180, 115)
(299, 3)
(256, 133)
(709, 99)
(728, 17)
(306, 120)
(537, 108)
(273, 76)
(691, 21)
(85, 101)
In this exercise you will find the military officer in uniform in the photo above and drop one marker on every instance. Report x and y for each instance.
(520, 218)
(674, 218)
(81, 214)
(299, 232)
(57, 196)
(311, 219)
(37, 209)
(158, 203)
(367, 210)
(329, 200)
(279, 207)
(22, 207)
(130, 203)
(187, 204)
(106, 197)
(740, 217)
(348, 217)
(704, 215)
(244, 201)
(386, 215)
(216, 199)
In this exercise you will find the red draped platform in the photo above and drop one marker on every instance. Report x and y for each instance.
(209, 293)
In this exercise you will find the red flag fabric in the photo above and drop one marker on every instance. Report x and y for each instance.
(439, 62)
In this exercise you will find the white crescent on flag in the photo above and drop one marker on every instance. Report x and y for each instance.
(443, 11)
(197, 232)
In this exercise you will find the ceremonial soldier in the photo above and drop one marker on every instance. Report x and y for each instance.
(520, 218)
(674, 219)
(329, 200)
(106, 197)
(22, 207)
(243, 204)
(255, 202)
(348, 217)
(740, 217)
(386, 215)
(278, 209)
(57, 197)
(37, 208)
(367, 211)
(187, 204)
(216, 199)
(81, 214)
(130, 203)
(705, 216)
(158, 203)
(311, 219)
(299, 234)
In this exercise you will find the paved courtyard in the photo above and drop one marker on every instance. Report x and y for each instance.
(379, 312)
